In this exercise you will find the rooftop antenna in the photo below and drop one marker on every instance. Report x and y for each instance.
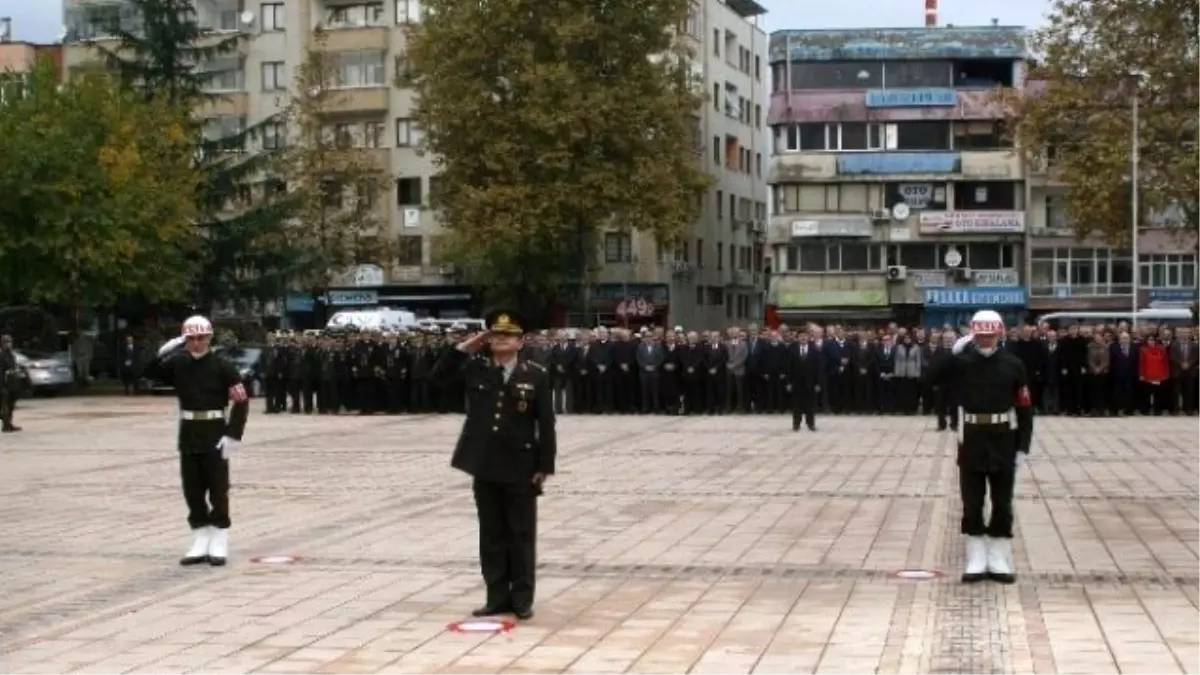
(931, 13)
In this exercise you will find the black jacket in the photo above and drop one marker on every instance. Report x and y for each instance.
(509, 432)
(202, 384)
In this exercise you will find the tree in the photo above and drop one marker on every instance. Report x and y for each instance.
(99, 204)
(1095, 57)
(549, 123)
(171, 55)
(336, 182)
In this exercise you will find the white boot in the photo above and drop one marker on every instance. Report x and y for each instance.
(999, 561)
(198, 553)
(218, 547)
(977, 556)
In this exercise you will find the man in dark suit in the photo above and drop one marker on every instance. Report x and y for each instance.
(885, 367)
(1184, 358)
(1123, 375)
(716, 360)
(129, 365)
(802, 364)
(508, 445)
(600, 360)
(649, 365)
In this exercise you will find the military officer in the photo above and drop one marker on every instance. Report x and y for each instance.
(508, 445)
(993, 390)
(205, 385)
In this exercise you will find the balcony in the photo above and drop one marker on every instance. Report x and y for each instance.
(789, 227)
(360, 100)
(236, 104)
(357, 38)
(992, 165)
(932, 164)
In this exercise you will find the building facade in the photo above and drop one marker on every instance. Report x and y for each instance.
(715, 276)
(22, 57)
(1066, 274)
(896, 194)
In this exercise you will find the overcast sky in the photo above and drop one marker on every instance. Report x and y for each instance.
(41, 20)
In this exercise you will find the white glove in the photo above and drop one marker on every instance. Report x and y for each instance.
(1019, 461)
(961, 343)
(171, 344)
(227, 445)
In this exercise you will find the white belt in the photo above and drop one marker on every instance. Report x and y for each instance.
(987, 418)
(201, 415)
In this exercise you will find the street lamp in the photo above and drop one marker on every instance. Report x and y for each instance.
(1133, 174)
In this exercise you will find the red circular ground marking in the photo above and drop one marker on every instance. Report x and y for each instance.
(481, 626)
(274, 559)
(917, 575)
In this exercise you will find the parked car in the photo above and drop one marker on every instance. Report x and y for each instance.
(245, 358)
(45, 372)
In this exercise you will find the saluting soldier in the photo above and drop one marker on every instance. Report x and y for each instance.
(205, 385)
(993, 389)
(508, 445)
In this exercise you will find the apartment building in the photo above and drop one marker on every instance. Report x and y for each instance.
(1067, 274)
(896, 194)
(17, 56)
(368, 38)
(715, 276)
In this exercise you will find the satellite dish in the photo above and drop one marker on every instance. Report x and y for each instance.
(248, 18)
(900, 211)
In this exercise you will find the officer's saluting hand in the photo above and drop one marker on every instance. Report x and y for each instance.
(508, 445)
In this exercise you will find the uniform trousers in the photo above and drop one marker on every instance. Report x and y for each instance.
(986, 456)
(205, 477)
(507, 515)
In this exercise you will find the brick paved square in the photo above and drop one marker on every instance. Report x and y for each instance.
(724, 544)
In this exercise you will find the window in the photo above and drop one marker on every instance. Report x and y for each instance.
(986, 196)
(408, 191)
(1167, 270)
(716, 149)
(720, 256)
(1080, 272)
(845, 136)
(720, 205)
(981, 135)
(922, 136)
(916, 74)
(408, 250)
(226, 77)
(812, 136)
(699, 253)
(618, 247)
(983, 73)
(274, 77)
(359, 69)
(758, 68)
(837, 75)
(273, 17)
(332, 194)
(408, 134)
(691, 24)
(225, 133)
(356, 16)
(273, 136)
(716, 42)
(373, 134)
(408, 11)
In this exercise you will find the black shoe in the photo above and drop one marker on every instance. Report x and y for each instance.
(10, 429)
(491, 610)
(523, 614)
(812, 427)
(189, 561)
(1002, 578)
(973, 578)
(215, 561)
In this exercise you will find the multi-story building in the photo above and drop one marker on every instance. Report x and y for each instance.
(896, 194)
(715, 275)
(1066, 274)
(22, 57)
(711, 278)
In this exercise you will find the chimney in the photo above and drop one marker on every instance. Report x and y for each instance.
(930, 13)
(5, 29)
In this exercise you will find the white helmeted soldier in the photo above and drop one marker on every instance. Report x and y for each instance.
(996, 432)
(209, 431)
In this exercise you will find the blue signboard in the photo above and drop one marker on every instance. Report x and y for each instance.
(1172, 294)
(299, 302)
(898, 162)
(911, 98)
(975, 297)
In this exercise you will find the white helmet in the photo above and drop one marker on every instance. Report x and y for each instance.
(987, 322)
(197, 325)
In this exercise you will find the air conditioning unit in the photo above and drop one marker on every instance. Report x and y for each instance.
(881, 214)
(897, 273)
(962, 274)
(758, 226)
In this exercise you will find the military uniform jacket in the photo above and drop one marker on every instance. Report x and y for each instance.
(989, 385)
(509, 433)
(202, 384)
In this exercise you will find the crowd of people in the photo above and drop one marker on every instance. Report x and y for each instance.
(1085, 370)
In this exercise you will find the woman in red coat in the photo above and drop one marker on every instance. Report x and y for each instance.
(1153, 370)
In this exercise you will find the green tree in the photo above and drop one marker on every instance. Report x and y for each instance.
(549, 123)
(1095, 56)
(337, 182)
(99, 205)
(171, 55)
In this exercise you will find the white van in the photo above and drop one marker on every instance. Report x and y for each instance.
(1157, 316)
(373, 319)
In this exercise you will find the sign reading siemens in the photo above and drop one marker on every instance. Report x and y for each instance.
(911, 98)
(975, 297)
(353, 298)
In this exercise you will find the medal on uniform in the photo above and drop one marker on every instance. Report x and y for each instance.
(522, 406)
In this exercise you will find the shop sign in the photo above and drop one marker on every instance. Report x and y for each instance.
(353, 298)
(995, 278)
(972, 222)
(976, 297)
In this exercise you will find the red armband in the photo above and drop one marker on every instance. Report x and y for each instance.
(237, 394)
(1024, 400)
